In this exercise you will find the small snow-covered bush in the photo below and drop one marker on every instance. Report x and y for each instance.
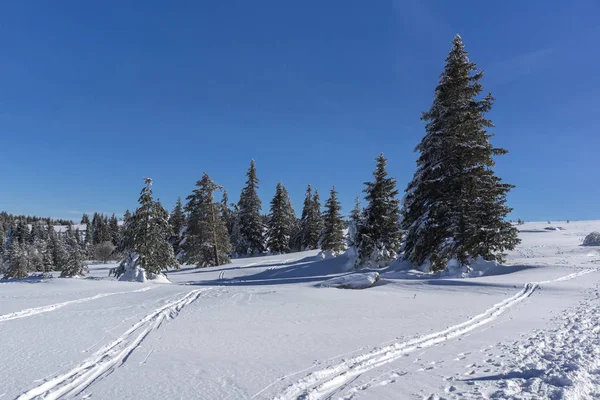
(593, 239)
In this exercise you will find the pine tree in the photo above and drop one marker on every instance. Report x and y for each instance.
(85, 219)
(2, 242)
(177, 222)
(113, 228)
(333, 231)
(454, 207)
(206, 238)
(17, 267)
(251, 223)
(281, 221)
(57, 249)
(311, 222)
(21, 233)
(89, 236)
(146, 238)
(379, 231)
(74, 266)
(354, 223)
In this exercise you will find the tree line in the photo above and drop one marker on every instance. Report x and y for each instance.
(453, 208)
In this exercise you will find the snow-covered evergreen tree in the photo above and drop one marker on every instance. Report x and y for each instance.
(251, 223)
(75, 265)
(17, 264)
(333, 225)
(379, 231)
(311, 222)
(206, 239)
(454, 207)
(147, 236)
(57, 250)
(282, 218)
(353, 224)
(113, 227)
(177, 222)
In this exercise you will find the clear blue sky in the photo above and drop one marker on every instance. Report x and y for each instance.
(96, 95)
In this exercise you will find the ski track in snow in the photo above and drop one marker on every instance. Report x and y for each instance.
(559, 363)
(111, 356)
(28, 312)
(322, 383)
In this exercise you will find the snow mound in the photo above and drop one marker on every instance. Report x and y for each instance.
(592, 239)
(353, 281)
(327, 254)
(130, 271)
(403, 269)
(554, 228)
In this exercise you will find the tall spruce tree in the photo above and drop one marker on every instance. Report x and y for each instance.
(282, 218)
(113, 227)
(333, 230)
(74, 266)
(177, 222)
(206, 238)
(85, 219)
(454, 207)
(311, 222)
(147, 236)
(354, 222)
(379, 231)
(251, 223)
(17, 262)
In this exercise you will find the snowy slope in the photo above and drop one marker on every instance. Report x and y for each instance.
(265, 328)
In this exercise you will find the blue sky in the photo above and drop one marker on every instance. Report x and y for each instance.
(96, 95)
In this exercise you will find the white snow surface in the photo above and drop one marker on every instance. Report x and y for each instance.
(359, 280)
(264, 328)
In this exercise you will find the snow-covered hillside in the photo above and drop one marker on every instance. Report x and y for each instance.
(266, 328)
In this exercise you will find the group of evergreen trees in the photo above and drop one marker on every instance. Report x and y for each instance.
(454, 207)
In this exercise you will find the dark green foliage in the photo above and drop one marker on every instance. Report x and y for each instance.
(17, 263)
(148, 232)
(455, 206)
(177, 222)
(251, 223)
(75, 265)
(354, 223)
(85, 219)
(311, 222)
(333, 231)
(113, 228)
(379, 236)
(281, 221)
(206, 238)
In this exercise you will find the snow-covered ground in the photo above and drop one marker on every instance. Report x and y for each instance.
(266, 328)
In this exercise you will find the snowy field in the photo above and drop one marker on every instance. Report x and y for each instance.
(267, 328)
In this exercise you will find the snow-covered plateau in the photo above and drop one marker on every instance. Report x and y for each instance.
(268, 328)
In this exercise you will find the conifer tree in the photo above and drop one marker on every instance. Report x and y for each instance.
(379, 231)
(74, 266)
(354, 223)
(333, 230)
(85, 219)
(311, 222)
(454, 207)
(21, 233)
(113, 228)
(251, 223)
(2, 242)
(89, 236)
(282, 218)
(177, 223)
(206, 238)
(17, 267)
(147, 236)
